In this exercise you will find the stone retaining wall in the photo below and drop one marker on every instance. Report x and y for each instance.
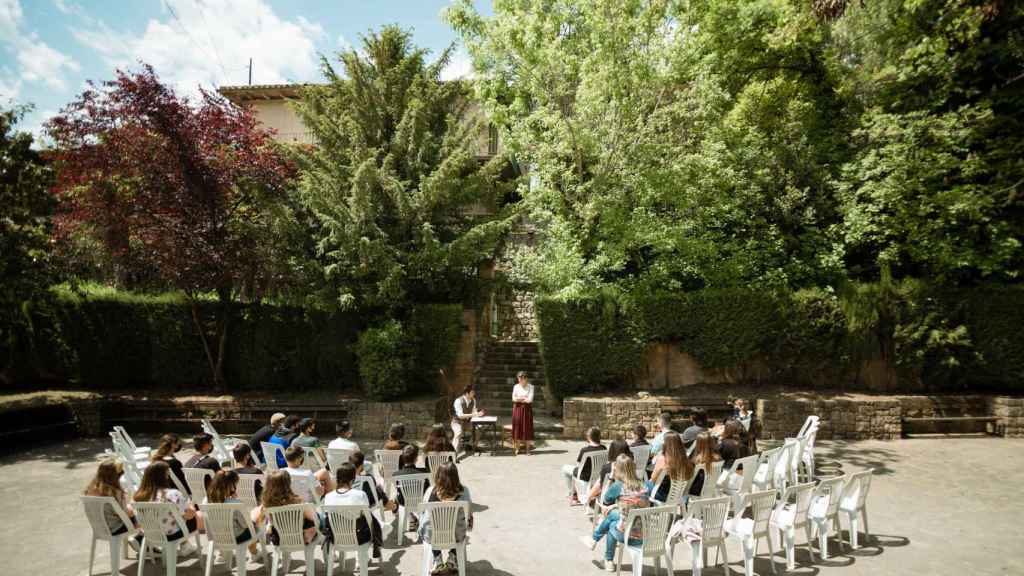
(611, 415)
(1010, 412)
(860, 419)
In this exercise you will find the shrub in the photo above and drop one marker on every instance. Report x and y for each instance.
(434, 334)
(384, 360)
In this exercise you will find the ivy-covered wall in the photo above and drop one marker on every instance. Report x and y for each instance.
(924, 339)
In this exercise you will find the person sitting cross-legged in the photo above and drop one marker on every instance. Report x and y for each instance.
(627, 492)
(447, 488)
(593, 438)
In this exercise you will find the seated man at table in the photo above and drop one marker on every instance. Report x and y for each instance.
(464, 410)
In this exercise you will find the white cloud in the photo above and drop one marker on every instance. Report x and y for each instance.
(10, 86)
(37, 61)
(207, 43)
(343, 42)
(460, 66)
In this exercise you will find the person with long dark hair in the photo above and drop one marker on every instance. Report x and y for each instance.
(447, 488)
(156, 486)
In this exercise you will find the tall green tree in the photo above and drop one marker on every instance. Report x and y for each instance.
(395, 186)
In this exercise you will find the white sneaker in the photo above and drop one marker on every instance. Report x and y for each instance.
(589, 542)
(187, 549)
(609, 566)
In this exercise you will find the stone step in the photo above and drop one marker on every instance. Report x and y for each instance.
(505, 379)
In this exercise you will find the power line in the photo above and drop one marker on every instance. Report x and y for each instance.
(189, 34)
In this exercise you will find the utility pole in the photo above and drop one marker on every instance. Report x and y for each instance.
(250, 71)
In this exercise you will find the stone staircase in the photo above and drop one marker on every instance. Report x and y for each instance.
(497, 377)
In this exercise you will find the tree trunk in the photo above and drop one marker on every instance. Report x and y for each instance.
(215, 362)
(211, 362)
(223, 323)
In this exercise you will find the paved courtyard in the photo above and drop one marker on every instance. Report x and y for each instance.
(937, 506)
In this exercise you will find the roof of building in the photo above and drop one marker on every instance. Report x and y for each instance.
(247, 93)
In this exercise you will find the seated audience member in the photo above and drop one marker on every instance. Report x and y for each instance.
(264, 433)
(345, 495)
(406, 466)
(373, 492)
(107, 483)
(245, 465)
(626, 492)
(751, 425)
(437, 441)
(283, 437)
(616, 448)
(731, 446)
(672, 464)
(704, 455)
(156, 486)
(639, 435)
(278, 492)
(344, 441)
(664, 426)
(593, 437)
(304, 481)
(306, 439)
(224, 490)
(447, 488)
(165, 452)
(698, 424)
(396, 437)
(203, 444)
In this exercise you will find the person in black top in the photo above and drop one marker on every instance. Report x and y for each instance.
(396, 437)
(731, 446)
(406, 466)
(698, 424)
(264, 434)
(245, 465)
(615, 448)
(203, 444)
(639, 436)
(593, 437)
(169, 444)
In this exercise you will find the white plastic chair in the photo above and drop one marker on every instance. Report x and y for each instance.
(221, 449)
(854, 503)
(412, 487)
(94, 511)
(126, 453)
(710, 487)
(150, 516)
(789, 517)
(808, 423)
(247, 489)
(765, 476)
(287, 522)
(133, 475)
(387, 465)
(824, 510)
(312, 460)
(220, 534)
(750, 531)
(736, 485)
(270, 452)
(807, 452)
(144, 450)
(337, 456)
(655, 523)
(444, 518)
(677, 490)
(641, 456)
(342, 520)
(376, 506)
(196, 480)
(597, 459)
(435, 459)
(712, 513)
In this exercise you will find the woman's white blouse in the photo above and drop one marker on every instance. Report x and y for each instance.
(525, 394)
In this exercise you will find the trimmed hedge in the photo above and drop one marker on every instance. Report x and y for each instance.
(937, 340)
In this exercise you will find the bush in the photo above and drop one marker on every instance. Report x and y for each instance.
(384, 360)
(434, 334)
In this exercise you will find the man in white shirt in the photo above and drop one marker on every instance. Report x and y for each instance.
(464, 410)
(344, 440)
(303, 480)
(345, 495)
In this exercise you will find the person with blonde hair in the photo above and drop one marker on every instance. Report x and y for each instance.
(627, 492)
(107, 483)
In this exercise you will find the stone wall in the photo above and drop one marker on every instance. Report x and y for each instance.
(516, 320)
(611, 415)
(1010, 412)
(842, 419)
(373, 419)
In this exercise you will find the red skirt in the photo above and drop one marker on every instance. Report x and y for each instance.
(522, 422)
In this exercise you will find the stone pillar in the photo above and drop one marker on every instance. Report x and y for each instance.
(1010, 412)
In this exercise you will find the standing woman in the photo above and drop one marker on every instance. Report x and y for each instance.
(522, 413)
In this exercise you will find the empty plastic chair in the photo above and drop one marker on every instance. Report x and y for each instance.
(712, 513)
(99, 509)
(764, 479)
(412, 487)
(343, 521)
(444, 520)
(824, 510)
(287, 522)
(641, 456)
(854, 503)
(220, 522)
(790, 515)
(736, 484)
(144, 450)
(655, 523)
(270, 452)
(221, 449)
(750, 531)
(151, 516)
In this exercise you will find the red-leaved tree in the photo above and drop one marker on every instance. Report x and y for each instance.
(186, 184)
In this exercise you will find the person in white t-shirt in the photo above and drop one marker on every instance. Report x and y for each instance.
(345, 495)
(304, 483)
(344, 440)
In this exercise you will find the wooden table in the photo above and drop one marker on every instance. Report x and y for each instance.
(488, 424)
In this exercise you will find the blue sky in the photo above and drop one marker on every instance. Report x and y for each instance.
(49, 48)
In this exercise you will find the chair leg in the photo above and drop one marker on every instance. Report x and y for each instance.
(142, 555)
(668, 564)
(171, 558)
(329, 560)
(789, 537)
(696, 550)
(428, 557)
(810, 538)
(463, 559)
(823, 540)
(115, 556)
(864, 518)
(749, 551)
(209, 557)
(364, 561)
(241, 561)
(725, 559)
(401, 525)
(92, 555)
(771, 552)
(310, 560)
(853, 530)
(275, 559)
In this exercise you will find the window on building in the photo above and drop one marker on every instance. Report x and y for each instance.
(492, 140)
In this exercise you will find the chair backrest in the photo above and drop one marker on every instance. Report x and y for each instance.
(121, 447)
(641, 455)
(801, 495)
(132, 473)
(387, 462)
(94, 511)
(196, 480)
(810, 421)
(287, 521)
(832, 489)
(337, 456)
(312, 460)
(357, 484)
(150, 516)
(762, 504)
(444, 518)
(412, 487)
(270, 451)
(655, 523)
(343, 519)
(749, 465)
(247, 489)
(219, 520)
(710, 487)
(855, 493)
(677, 489)
(124, 435)
(597, 459)
(712, 513)
(435, 459)
(220, 450)
(766, 466)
